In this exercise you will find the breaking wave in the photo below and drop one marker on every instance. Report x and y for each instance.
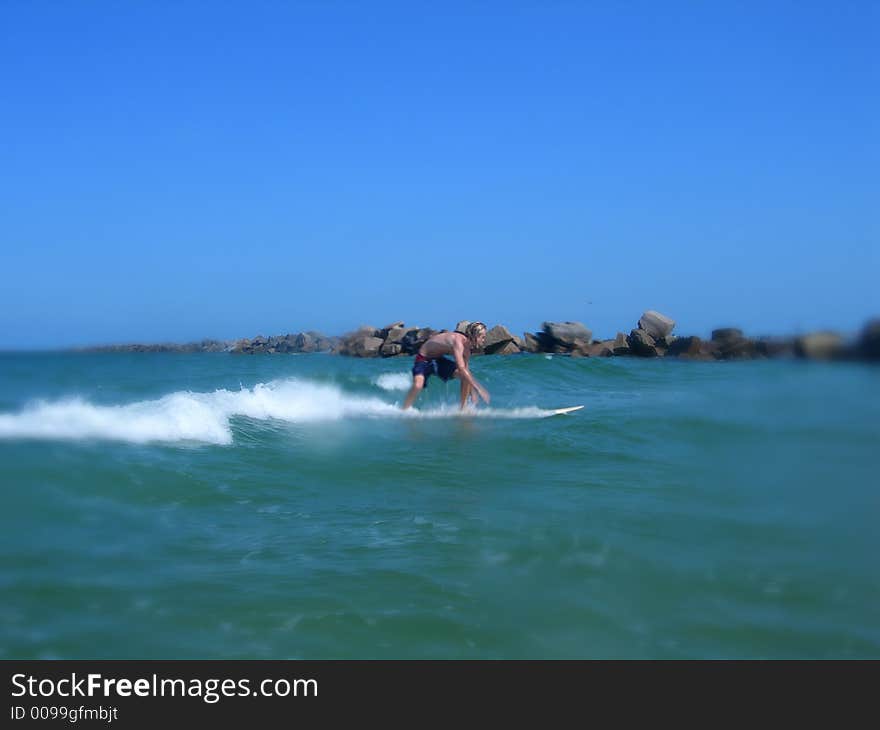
(205, 417)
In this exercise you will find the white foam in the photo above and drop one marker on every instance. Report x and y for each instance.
(393, 381)
(176, 417)
(205, 417)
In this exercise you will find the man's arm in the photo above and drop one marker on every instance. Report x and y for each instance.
(466, 391)
(461, 362)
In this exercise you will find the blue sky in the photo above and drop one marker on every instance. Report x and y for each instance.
(177, 170)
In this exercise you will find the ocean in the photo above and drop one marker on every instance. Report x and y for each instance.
(211, 506)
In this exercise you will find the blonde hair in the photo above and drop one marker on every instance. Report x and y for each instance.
(473, 330)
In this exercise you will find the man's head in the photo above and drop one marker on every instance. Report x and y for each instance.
(476, 334)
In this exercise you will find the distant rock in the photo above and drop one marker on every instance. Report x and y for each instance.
(304, 342)
(728, 343)
(656, 325)
(605, 348)
(531, 343)
(361, 343)
(202, 346)
(689, 348)
(565, 336)
(283, 344)
(868, 344)
(726, 333)
(621, 345)
(366, 346)
(508, 348)
(641, 343)
(395, 336)
(497, 339)
(387, 329)
(414, 339)
(820, 346)
(775, 346)
(391, 349)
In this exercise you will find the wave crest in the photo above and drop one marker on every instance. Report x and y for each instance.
(205, 417)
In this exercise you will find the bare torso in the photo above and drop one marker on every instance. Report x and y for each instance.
(444, 344)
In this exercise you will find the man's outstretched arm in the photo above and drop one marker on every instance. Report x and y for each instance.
(465, 374)
(466, 391)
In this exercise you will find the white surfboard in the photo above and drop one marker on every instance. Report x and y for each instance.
(560, 411)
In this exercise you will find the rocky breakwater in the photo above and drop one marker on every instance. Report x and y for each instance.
(201, 346)
(393, 339)
(291, 343)
(652, 337)
(398, 339)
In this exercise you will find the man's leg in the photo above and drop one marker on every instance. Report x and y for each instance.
(418, 384)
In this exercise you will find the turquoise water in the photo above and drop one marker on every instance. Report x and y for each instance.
(214, 506)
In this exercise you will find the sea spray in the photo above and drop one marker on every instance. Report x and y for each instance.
(205, 417)
(393, 381)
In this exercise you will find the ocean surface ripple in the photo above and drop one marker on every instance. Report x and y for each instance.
(212, 506)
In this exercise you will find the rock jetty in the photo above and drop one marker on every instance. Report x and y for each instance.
(651, 337)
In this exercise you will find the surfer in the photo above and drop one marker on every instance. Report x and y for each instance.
(430, 361)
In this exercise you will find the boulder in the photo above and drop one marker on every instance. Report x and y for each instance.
(462, 326)
(819, 346)
(686, 347)
(868, 344)
(565, 336)
(313, 341)
(304, 342)
(251, 347)
(774, 347)
(289, 343)
(365, 346)
(656, 325)
(641, 343)
(531, 343)
(395, 336)
(621, 346)
(605, 348)
(728, 343)
(361, 343)
(386, 330)
(414, 339)
(546, 343)
(581, 348)
(741, 349)
(508, 348)
(496, 339)
(391, 349)
(214, 346)
(726, 333)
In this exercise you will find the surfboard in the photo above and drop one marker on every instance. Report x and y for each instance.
(560, 411)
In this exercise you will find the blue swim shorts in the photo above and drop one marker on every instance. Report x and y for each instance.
(442, 367)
